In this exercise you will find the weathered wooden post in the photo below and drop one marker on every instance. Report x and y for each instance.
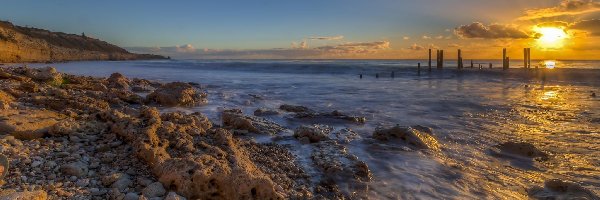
(525, 58)
(360, 76)
(437, 59)
(471, 63)
(419, 69)
(504, 58)
(376, 75)
(507, 62)
(459, 60)
(429, 60)
(490, 65)
(393, 74)
(528, 57)
(441, 59)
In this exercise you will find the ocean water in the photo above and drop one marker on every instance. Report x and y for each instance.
(470, 111)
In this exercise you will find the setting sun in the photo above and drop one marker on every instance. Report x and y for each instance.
(551, 37)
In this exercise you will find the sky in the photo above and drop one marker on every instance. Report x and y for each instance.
(330, 29)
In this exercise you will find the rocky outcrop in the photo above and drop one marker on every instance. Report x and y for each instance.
(302, 112)
(313, 133)
(28, 124)
(560, 189)
(344, 176)
(522, 149)
(177, 94)
(118, 81)
(33, 195)
(235, 119)
(23, 44)
(416, 138)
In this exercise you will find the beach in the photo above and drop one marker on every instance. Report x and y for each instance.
(299, 129)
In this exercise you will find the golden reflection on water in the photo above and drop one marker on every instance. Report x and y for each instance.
(549, 95)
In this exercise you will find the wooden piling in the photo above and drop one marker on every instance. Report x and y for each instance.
(394, 74)
(441, 65)
(471, 64)
(507, 62)
(504, 58)
(459, 59)
(429, 60)
(528, 57)
(525, 58)
(376, 75)
(490, 65)
(360, 76)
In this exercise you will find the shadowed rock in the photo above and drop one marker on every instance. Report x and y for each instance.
(522, 149)
(559, 189)
(302, 112)
(409, 135)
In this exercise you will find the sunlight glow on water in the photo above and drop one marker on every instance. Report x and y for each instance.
(550, 64)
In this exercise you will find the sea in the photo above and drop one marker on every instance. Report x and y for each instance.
(554, 105)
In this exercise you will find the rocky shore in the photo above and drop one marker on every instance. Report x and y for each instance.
(77, 137)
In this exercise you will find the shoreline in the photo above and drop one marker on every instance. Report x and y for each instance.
(82, 137)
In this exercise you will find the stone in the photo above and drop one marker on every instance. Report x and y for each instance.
(28, 124)
(131, 196)
(77, 169)
(5, 100)
(265, 112)
(561, 189)
(64, 127)
(111, 178)
(155, 189)
(522, 149)
(118, 81)
(294, 108)
(174, 196)
(47, 75)
(177, 94)
(235, 119)
(314, 133)
(33, 195)
(409, 135)
(122, 183)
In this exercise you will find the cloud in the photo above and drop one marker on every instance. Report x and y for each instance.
(493, 31)
(406, 38)
(565, 8)
(425, 37)
(298, 50)
(454, 45)
(301, 45)
(186, 48)
(592, 26)
(416, 47)
(339, 37)
(356, 48)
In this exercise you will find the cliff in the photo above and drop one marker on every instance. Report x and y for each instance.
(23, 44)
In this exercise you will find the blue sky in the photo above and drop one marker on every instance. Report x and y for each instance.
(265, 24)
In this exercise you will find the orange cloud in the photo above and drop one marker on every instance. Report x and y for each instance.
(565, 8)
(493, 31)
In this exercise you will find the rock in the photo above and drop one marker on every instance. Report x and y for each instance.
(36, 164)
(64, 127)
(47, 75)
(340, 168)
(122, 183)
(414, 137)
(174, 196)
(77, 169)
(33, 195)
(559, 189)
(294, 108)
(144, 181)
(177, 94)
(118, 81)
(314, 133)
(155, 189)
(28, 124)
(131, 196)
(235, 119)
(522, 149)
(265, 112)
(5, 100)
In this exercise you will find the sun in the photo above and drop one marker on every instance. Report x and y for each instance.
(551, 37)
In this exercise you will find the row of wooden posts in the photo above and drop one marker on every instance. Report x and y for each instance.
(460, 63)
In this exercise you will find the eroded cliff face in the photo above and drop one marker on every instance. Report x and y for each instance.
(22, 44)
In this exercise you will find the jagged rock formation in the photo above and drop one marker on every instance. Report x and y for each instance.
(22, 44)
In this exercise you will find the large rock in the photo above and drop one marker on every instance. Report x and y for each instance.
(118, 81)
(33, 195)
(522, 149)
(28, 124)
(177, 94)
(313, 133)
(235, 119)
(417, 138)
(47, 75)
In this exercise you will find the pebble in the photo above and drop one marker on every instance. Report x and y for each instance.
(155, 189)
(131, 196)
